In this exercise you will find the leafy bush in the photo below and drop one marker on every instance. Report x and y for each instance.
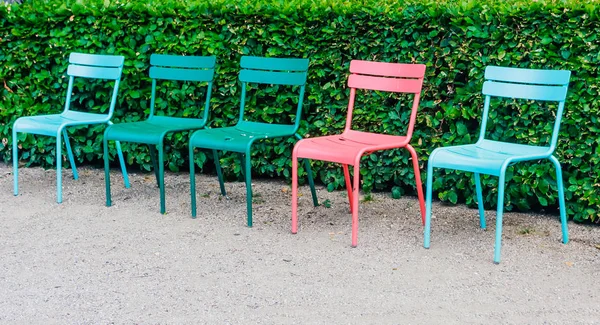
(456, 39)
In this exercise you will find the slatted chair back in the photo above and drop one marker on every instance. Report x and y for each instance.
(528, 84)
(274, 71)
(95, 66)
(388, 77)
(182, 68)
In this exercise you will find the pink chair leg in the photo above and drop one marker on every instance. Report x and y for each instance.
(418, 183)
(294, 193)
(348, 186)
(355, 197)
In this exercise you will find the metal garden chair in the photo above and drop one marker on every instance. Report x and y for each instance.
(348, 147)
(92, 66)
(241, 137)
(493, 157)
(153, 130)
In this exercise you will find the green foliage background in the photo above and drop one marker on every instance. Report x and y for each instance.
(455, 39)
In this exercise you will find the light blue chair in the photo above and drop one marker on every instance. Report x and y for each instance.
(93, 66)
(493, 157)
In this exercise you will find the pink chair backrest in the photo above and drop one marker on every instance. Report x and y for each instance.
(392, 77)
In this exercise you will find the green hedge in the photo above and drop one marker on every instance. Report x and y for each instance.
(456, 40)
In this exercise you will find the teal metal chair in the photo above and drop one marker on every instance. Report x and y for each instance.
(239, 138)
(153, 130)
(493, 157)
(92, 66)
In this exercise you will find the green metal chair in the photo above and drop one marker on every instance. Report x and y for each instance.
(239, 138)
(91, 66)
(153, 130)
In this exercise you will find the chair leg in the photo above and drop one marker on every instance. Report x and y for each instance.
(561, 199)
(15, 154)
(479, 201)
(219, 172)
(294, 194)
(58, 168)
(309, 174)
(348, 186)
(311, 182)
(248, 189)
(123, 166)
(242, 165)
(355, 196)
(121, 160)
(106, 172)
(152, 151)
(418, 184)
(161, 177)
(499, 211)
(192, 181)
(428, 194)
(70, 154)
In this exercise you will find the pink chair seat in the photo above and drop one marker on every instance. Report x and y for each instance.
(344, 148)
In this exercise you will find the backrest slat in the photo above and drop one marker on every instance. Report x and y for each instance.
(275, 78)
(386, 69)
(94, 72)
(274, 64)
(181, 74)
(108, 61)
(524, 91)
(176, 61)
(385, 84)
(528, 76)
(95, 66)
(385, 76)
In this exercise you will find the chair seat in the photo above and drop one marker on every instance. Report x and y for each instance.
(50, 124)
(237, 138)
(152, 130)
(487, 157)
(344, 148)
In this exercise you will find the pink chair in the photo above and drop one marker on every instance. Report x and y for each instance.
(348, 148)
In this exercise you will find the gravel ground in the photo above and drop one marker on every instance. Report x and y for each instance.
(81, 262)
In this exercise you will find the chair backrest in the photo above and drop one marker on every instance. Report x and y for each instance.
(388, 77)
(274, 71)
(529, 84)
(182, 68)
(95, 66)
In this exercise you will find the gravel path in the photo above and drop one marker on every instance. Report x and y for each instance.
(80, 262)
